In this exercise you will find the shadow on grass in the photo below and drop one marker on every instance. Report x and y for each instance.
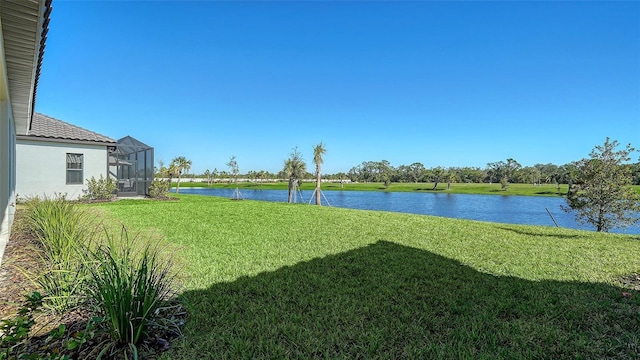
(550, 193)
(538, 233)
(391, 301)
(505, 191)
(557, 236)
(429, 189)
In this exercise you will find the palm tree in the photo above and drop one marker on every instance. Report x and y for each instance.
(294, 168)
(318, 151)
(179, 165)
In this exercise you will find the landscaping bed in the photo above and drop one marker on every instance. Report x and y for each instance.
(64, 288)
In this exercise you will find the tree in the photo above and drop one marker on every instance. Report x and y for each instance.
(179, 165)
(531, 174)
(510, 167)
(416, 171)
(235, 170)
(503, 171)
(601, 194)
(207, 175)
(384, 172)
(494, 170)
(294, 169)
(318, 151)
(450, 176)
(261, 175)
(635, 171)
(566, 174)
(470, 175)
(214, 174)
(437, 173)
(161, 170)
(252, 175)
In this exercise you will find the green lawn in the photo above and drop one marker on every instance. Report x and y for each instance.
(274, 280)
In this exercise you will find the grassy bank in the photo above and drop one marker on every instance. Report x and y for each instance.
(485, 189)
(271, 280)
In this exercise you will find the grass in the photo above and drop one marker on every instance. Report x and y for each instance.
(274, 280)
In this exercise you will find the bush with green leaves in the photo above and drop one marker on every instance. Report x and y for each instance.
(131, 286)
(60, 343)
(14, 332)
(100, 189)
(159, 189)
(63, 229)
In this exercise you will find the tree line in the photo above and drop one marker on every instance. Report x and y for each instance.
(504, 172)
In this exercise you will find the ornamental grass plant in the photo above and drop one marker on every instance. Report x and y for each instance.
(63, 231)
(123, 285)
(131, 287)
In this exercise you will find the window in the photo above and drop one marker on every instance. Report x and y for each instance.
(74, 169)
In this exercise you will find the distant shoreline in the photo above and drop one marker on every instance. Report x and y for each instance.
(455, 188)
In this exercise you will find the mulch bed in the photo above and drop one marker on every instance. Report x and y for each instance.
(20, 257)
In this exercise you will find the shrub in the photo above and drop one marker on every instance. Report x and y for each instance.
(60, 344)
(159, 189)
(14, 332)
(130, 284)
(101, 189)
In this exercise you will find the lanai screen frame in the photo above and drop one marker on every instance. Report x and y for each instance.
(131, 164)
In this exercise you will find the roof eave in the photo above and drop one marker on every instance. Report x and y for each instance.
(24, 28)
(65, 141)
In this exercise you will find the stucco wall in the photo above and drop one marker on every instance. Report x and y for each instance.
(42, 167)
(7, 177)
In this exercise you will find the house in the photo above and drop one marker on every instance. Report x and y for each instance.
(40, 155)
(23, 29)
(56, 157)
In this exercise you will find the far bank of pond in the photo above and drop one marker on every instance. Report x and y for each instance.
(526, 210)
(454, 188)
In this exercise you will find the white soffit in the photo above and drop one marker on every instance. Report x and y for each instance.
(24, 27)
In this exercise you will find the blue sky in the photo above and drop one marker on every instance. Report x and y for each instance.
(441, 83)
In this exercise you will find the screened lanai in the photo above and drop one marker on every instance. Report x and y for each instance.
(131, 164)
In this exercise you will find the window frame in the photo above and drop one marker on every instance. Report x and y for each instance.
(70, 170)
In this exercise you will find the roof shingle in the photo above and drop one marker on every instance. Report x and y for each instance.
(44, 126)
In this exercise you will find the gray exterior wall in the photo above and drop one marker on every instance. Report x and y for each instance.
(7, 174)
(42, 167)
(23, 28)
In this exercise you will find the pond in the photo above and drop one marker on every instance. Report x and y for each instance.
(528, 210)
